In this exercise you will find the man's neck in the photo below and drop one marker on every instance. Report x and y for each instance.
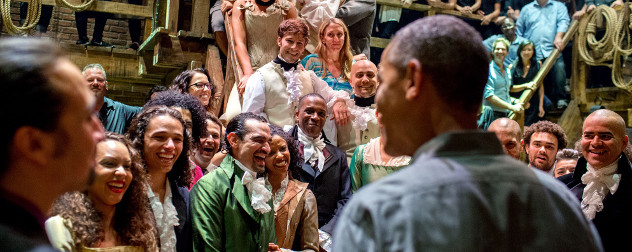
(511, 37)
(199, 162)
(99, 103)
(542, 2)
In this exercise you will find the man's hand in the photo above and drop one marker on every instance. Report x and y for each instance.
(359, 57)
(500, 20)
(591, 8)
(341, 112)
(579, 14)
(517, 108)
(466, 10)
(511, 13)
(480, 12)
(273, 248)
(226, 6)
(558, 43)
(617, 4)
(486, 20)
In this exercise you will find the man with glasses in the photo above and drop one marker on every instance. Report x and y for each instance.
(509, 32)
(114, 116)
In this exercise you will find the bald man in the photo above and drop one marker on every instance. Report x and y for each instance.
(602, 180)
(364, 127)
(509, 134)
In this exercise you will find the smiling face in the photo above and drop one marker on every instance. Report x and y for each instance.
(564, 166)
(364, 78)
(500, 52)
(96, 81)
(603, 140)
(210, 144)
(203, 94)
(527, 52)
(291, 46)
(163, 143)
(311, 116)
(542, 150)
(253, 149)
(113, 173)
(278, 160)
(334, 37)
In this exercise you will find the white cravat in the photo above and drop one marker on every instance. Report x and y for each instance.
(312, 149)
(598, 184)
(257, 191)
(294, 86)
(361, 116)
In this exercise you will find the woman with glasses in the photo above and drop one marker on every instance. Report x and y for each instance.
(198, 83)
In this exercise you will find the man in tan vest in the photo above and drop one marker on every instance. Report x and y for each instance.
(274, 89)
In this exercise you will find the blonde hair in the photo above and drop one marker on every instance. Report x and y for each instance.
(345, 57)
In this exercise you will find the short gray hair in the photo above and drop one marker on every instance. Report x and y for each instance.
(97, 66)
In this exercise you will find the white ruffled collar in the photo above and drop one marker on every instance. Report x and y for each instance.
(257, 192)
(599, 182)
(361, 116)
(279, 193)
(166, 217)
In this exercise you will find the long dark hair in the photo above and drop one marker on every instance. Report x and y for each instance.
(518, 65)
(296, 159)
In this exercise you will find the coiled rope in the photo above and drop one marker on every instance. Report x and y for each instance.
(623, 49)
(32, 17)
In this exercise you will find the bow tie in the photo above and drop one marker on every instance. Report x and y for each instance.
(286, 66)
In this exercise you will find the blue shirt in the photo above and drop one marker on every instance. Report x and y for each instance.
(116, 116)
(312, 62)
(512, 55)
(497, 84)
(540, 24)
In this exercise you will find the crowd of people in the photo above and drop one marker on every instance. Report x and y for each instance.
(318, 158)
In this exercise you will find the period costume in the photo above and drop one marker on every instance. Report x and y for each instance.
(61, 236)
(611, 208)
(227, 215)
(173, 221)
(462, 193)
(367, 166)
(363, 126)
(296, 216)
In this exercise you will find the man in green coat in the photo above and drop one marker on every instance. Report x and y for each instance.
(231, 208)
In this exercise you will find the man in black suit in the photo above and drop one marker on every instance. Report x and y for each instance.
(325, 167)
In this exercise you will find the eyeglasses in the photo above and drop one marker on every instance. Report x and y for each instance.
(200, 85)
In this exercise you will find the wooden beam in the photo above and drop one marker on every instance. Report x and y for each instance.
(459, 14)
(397, 3)
(547, 65)
(200, 16)
(379, 42)
(214, 66)
(110, 7)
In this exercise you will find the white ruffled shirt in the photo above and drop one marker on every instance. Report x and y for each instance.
(598, 184)
(312, 149)
(257, 192)
(278, 195)
(166, 217)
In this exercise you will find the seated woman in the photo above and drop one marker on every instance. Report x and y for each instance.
(295, 211)
(198, 83)
(159, 134)
(499, 83)
(112, 215)
(333, 59)
(370, 162)
(524, 71)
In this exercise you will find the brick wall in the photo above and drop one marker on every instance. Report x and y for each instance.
(63, 29)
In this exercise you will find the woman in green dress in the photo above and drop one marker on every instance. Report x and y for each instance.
(370, 163)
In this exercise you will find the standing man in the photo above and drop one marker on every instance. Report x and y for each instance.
(461, 192)
(114, 116)
(49, 138)
(358, 15)
(364, 127)
(542, 141)
(602, 180)
(231, 207)
(509, 134)
(325, 167)
(544, 22)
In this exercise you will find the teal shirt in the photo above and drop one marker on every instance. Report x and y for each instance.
(312, 62)
(116, 116)
(222, 217)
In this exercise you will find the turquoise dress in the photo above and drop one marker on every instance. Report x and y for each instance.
(312, 62)
(367, 165)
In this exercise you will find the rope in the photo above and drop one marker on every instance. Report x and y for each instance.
(623, 50)
(77, 8)
(589, 47)
(32, 17)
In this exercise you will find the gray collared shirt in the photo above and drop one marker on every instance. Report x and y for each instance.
(462, 193)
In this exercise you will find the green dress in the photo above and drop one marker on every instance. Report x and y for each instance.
(367, 166)
(222, 217)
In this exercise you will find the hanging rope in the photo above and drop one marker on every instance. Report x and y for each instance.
(32, 17)
(77, 8)
(597, 52)
(623, 49)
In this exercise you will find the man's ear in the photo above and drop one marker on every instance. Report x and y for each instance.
(279, 41)
(34, 144)
(415, 79)
(526, 150)
(233, 139)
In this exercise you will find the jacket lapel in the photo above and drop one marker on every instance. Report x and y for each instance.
(239, 190)
(329, 157)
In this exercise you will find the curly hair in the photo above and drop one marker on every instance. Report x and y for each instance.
(133, 219)
(182, 82)
(180, 173)
(171, 98)
(296, 159)
(345, 57)
(547, 127)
